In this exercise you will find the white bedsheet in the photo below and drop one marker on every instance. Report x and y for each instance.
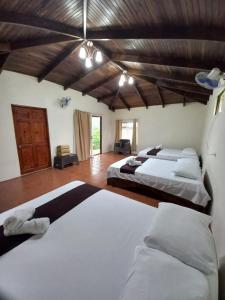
(85, 255)
(167, 153)
(158, 173)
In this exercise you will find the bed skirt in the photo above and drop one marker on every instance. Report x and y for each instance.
(154, 193)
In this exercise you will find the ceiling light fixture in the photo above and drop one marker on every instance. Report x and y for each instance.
(90, 54)
(125, 78)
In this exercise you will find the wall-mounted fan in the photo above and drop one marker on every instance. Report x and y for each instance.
(63, 102)
(215, 78)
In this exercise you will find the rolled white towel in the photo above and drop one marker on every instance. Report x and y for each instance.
(18, 217)
(130, 160)
(34, 226)
(135, 163)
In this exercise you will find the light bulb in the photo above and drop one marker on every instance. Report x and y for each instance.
(89, 43)
(123, 78)
(82, 53)
(130, 80)
(88, 62)
(121, 82)
(98, 56)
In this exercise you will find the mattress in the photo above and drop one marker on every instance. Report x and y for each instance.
(85, 254)
(167, 153)
(158, 173)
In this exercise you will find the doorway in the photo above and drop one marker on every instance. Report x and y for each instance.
(96, 135)
(32, 138)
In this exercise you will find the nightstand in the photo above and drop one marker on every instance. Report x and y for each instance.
(61, 161)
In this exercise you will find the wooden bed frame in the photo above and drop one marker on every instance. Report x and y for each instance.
(155, 193)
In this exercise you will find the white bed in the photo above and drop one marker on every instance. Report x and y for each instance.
(86, 254)
(167, 153)
(158, 174)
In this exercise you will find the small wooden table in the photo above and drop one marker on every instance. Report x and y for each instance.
(61, 161)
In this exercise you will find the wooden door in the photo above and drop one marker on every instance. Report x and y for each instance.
(32, 138)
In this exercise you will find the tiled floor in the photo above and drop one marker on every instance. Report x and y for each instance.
(16, 191)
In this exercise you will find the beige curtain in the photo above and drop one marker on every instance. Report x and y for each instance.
(118, 131)
(134, 136)
(82, 123)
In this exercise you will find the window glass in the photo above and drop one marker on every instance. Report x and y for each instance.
(127, 130)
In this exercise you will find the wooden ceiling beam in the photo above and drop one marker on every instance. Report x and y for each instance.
(192, 96)
(160, 96)
(3, 60)
(39, 23)
(107, 54)
(114, 98)
(58, 60)
(99, 84)
(140, 95)
(5, 47)
(184, 87)
(162, 33)
(124, 101)
(199, 96)
(107, 96)
(83, 74)
(168, 61)
(40, 42)
(156, 75)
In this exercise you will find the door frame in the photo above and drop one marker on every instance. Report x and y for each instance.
(98, 116)
(48, 139)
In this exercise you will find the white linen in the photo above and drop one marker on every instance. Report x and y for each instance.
(84, 255)
(189, 151)
(184, 233)
(17, 219)
(159, 276)
(158, 173)
(34, 226)
(166, 153)
(188, 168)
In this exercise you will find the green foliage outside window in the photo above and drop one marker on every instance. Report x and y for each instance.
(96, 138)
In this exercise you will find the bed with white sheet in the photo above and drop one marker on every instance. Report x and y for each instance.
(159, 175)
(169, 153)
(84, 255)
(88, 252)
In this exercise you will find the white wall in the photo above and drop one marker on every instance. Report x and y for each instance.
(175, 126)
(25, 90)
(213, 153)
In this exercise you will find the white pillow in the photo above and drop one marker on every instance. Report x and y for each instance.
(183, 233)
(189, 151)
(188, 168)
(158, 276)
(158, 146)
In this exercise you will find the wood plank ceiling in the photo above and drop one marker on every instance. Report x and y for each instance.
(162, 44)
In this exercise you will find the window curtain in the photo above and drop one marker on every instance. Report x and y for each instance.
(82, 123)
(118, 131)
(134, 136)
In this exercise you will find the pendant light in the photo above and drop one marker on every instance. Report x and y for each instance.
(124, 78)
(88, 63)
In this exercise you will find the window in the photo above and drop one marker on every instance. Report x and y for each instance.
(127, 130)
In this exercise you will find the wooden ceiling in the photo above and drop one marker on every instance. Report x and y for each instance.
(161, 43)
